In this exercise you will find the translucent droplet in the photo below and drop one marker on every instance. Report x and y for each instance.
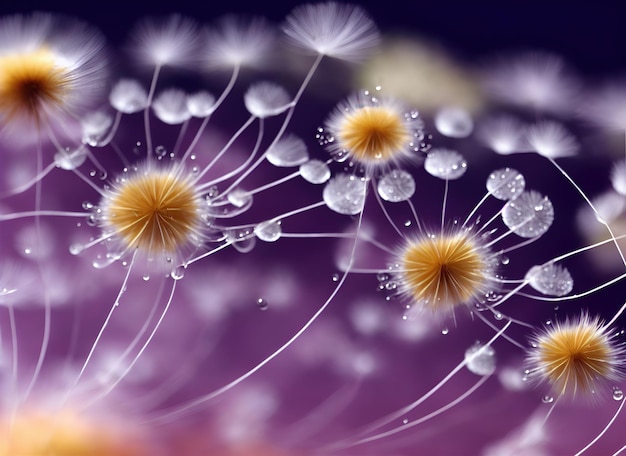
(268, 231)
(551, 279)
(178, 273)
(76, 249)
(200, 104)
(146, 277)
(70, 159)
(315, 171)
(405, 421)
(345, 194)
(265, 99)
(547, 399)
(160, 151)
(618, 394)
(396, 185)
(454, 122)
(445, 331)
(289, 151)
(262, 304)
(170, 107)
(445, 164)
(239, 197)
(128, 96)
(506, 184)
(480, 359)
(335, 277)
(530, 215)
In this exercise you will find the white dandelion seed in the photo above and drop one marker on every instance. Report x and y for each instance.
(172, 41)
(534, 80)
(237, 42)
(551, 139)
(342, 31)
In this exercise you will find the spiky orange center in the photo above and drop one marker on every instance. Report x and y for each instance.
(62, 434)
(443, 272)
(155, 212)
(573, 357)
(29, 82)
(374, 134)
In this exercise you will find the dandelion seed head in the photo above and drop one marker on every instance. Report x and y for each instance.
(504, 135)
(236, 42)
(534, 80)
(30, 82)
(155, 210)
(49, 67)
(445, 271)
(333, 29)
(374, 132)
(575, 356)
(551, 139)
(172, 41)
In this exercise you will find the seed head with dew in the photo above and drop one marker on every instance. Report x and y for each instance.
(577, 356)
(51, 70)
(373, 131)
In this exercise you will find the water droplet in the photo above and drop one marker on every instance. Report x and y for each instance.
(396, 186)
(547, 399)
(146, 277)
(262, 304)
(335, 278)
(405, 421)
(504, 260)
(445, 331)
(551, 279)
(345, 194)
(75, 249)
(454, 122)
(522, 217)
(506, 184)
(315, 171)
(445, 164)
(178, 273)
(480, 359)
(618, 394)
(268, 231)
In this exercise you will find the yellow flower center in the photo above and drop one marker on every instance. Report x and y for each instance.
(574, 356)
(155, 212)
(29, 82)
(443, 272)
(373, 134)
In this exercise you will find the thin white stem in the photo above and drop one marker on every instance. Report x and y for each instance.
(590, 204)
(217, 104)
(177, 411)
(384, 209)
(19, 215)
(116, 303)
(143, 348)
(146, 111)
(404, 410)
(445, 201)
(425, 418)
(22, 188)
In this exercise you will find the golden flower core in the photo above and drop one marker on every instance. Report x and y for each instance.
(444, 271)
(29, 82)
(574, 356)
(374, 134)
(62, 434)
(156, 212)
